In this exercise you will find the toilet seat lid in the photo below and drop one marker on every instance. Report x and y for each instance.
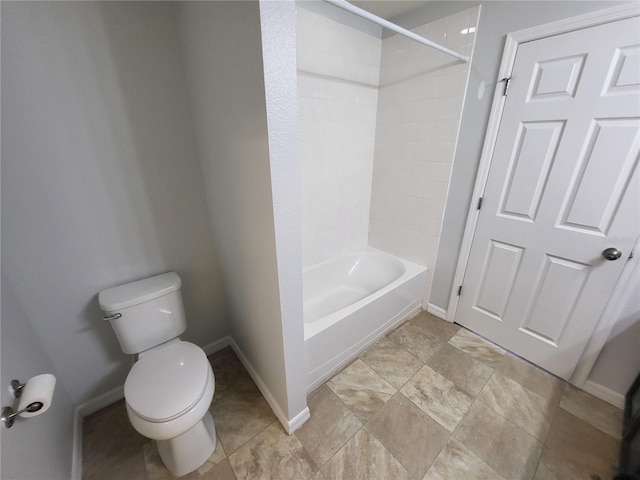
(164, 384)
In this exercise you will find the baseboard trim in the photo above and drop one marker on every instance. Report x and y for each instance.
(101, 401)
(110, 397)
(603, 393)
(76, 454)
(216, 346)
(296, 422)
(289, 425)
(437, 311)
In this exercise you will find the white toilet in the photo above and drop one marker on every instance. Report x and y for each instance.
(169, 389)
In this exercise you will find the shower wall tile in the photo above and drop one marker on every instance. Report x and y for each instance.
(338, 69)
(419, 109)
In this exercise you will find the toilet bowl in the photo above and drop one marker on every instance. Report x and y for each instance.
(168, 391)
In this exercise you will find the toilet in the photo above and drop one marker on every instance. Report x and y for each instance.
(170, 387)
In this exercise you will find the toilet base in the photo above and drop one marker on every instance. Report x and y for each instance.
(189, 451)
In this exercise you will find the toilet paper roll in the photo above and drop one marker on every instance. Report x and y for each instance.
(37, 389)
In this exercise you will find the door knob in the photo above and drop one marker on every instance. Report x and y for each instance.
(611, 253)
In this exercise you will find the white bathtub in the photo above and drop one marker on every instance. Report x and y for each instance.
(350, 302)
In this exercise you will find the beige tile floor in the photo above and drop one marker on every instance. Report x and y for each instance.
(429, 401)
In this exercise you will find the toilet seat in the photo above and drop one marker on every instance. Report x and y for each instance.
(168, 382)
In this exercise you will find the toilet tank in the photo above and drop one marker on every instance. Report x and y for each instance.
(145, 313)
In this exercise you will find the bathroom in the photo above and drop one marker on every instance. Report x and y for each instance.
(128, 152)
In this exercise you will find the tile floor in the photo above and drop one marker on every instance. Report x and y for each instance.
(429, 401)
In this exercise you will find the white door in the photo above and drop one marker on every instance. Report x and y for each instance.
(563, 187)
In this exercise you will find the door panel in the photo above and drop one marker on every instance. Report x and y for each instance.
(535, 149)
(602, 175)
(563, 185)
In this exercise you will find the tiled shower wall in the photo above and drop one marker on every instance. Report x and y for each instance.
(338, 69)
(419, 107)
(378, 121)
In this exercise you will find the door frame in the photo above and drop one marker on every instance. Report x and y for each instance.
(514, 39)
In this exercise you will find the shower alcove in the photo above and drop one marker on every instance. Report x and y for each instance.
(378, 117)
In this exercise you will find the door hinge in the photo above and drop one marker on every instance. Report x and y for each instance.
(506, 81)
(459, 290)
(480, 202)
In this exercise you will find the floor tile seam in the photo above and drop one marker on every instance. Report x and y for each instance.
(375, 416)
(320, 467)
(618, 439)
(231, 464)
(374, 371)
(513, 424)
(396, 458)
(458, 387)
(403, 385)
(546, 439)
(364, 427)
(508, 421)
(343, 402)
(434, 418)
(477, 359)
(537, 367)
(443, 336)
(485, 339)
(493, 370)
(470, 451)
(587, 420)
(400, 346)
(528, 391)
(394, 343)
(252, 438)
(564, 386)
(243, 444)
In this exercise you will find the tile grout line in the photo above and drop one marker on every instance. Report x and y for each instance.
(472, 452)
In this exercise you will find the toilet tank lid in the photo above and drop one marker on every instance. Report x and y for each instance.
(141, 291)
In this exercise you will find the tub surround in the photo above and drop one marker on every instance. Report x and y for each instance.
(378, 122)
(390, 289)
(419, 111)
(338, 61)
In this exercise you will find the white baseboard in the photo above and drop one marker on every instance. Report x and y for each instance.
(216, 346)
(603, 393)
(437, 311)
(101, 401)
(298, 420)
(289, 425)
(76, 454)
(107, 398)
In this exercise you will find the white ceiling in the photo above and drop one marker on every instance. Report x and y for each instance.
(389, 8)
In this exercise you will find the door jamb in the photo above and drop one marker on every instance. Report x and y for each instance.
(514, 39)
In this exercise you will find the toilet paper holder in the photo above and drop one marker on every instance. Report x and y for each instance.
(8, 414)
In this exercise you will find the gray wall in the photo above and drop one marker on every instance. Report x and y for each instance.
(101, 182)
(619, 361)
(497, 19)
(38, 447)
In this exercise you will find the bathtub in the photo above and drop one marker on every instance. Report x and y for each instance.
(352, 301)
